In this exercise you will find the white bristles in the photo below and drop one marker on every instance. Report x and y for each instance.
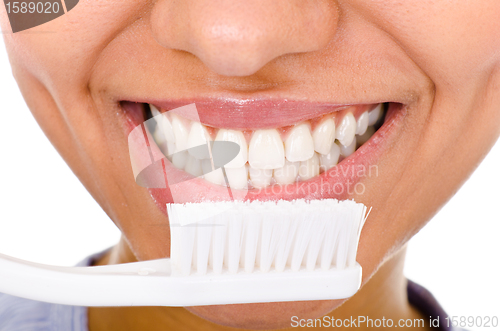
(232, 237)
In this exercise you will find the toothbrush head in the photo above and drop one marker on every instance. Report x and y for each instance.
(243, 237)
(248, 252)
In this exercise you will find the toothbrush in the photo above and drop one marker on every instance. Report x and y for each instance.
(221, 253)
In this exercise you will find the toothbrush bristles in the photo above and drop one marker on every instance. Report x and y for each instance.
(234, 237)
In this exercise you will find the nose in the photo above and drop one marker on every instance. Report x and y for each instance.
(239, 37)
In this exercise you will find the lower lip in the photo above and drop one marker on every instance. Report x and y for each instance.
(340, 182)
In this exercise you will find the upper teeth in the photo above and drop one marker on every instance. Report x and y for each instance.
(299, 144)
(266, 150)
(374, 115)
(347, 129)
(324, 135)
(181, 133)
(236, 137)
(269, 157)
(164, 122)
(198, 135)
(362, 123)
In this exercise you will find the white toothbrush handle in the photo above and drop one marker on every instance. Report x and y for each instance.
(128, 284)
(150, 283)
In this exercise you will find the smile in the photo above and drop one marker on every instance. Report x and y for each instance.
(269, 156)
(288, 150)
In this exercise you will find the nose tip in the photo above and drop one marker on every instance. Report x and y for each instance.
(239, 37)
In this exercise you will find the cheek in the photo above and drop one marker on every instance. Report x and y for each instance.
(62, 52)
(449, 41)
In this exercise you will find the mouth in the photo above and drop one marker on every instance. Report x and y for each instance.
(321, 151)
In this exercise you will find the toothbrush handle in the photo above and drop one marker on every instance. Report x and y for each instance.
(111, 285)
(150, 283)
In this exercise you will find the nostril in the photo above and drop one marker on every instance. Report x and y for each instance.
(239, 37)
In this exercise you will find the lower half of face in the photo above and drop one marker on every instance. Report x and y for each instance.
(381, 109)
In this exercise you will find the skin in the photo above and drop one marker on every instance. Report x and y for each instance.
(438, 58)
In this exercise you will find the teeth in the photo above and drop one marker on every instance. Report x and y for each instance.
(263, 160)
(215, 177)
(266, 150)
(167, 148)
(347, 129)
(287, 174)
(374, 115)
(193, 166)
(324, 135)
(310, 168)
(331, 159)
(348, 150)
(236, 137)
(170, 150)
(237, 177)
(158, 136)
(164, 126)
(167, 129)
(179, 159)
(163, 147)
(299, 145)
(260, 177)
(155, 112)
(362, 123)
(198, 135)
(181, 133)
(367, 135)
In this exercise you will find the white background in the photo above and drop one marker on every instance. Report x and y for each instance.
(47, 216)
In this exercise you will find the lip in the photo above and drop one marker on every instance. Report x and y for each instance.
(340, 182)
(254, 114)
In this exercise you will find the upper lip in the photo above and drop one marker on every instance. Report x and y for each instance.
(251, 114)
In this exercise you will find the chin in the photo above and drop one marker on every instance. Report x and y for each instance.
(264, 316)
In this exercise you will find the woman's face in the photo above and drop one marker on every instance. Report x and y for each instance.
(257, 64)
